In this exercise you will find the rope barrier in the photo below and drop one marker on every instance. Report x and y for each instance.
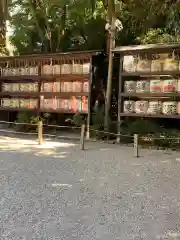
(161, 138)
(17, 123)
(58, 126)
(109, 133)
(52, 135)
(75, 127)
(7, 131)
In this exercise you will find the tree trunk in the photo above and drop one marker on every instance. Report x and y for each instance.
(111, 19)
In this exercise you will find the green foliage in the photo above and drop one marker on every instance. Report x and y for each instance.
(142, 127)
(167, 138)
(78, 119)
(27, 118)
(159, 36)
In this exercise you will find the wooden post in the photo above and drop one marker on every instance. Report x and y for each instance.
(89, 101)
(82, 137)
(120, 108)
(136, 148)
(40, 132)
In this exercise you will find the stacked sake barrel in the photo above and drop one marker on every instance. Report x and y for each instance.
(66, 68)
(33, 71)
(19, 103)
(19, 87)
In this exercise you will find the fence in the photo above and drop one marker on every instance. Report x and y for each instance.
(135, 140)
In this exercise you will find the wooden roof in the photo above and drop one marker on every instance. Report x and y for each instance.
(146, 48)
(52, 55)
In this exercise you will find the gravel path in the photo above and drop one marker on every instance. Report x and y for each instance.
(58, 192)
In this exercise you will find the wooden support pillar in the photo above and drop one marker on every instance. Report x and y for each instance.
(120, 107)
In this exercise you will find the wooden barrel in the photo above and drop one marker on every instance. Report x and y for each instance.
(129, 106)
(86, 86)
(142, 86)
(141, 106)
(47, 70)
(169, 108)
(33, 71)
(66, 69)
(170, 86)
(86, 68)
(155, 107)
(156, 86)
(129, 86)
(77, 68)
(178, 108)
(156, 66)
(77, 86)
(56, 69)
(143, 66)
(129, 64)
(66, 86)
(170, 64)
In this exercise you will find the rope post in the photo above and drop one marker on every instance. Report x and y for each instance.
(82, 137)
(40, 132)
(136, 148)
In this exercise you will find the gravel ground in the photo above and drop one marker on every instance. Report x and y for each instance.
(59, 192)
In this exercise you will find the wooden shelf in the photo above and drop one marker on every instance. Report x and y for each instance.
(62, 77)
(149, 116)
(35, 109)
(64, 94)
(146, 95)
(148, 74)
(59, 111)
(20, 94)
(17, 109)
(45, 94)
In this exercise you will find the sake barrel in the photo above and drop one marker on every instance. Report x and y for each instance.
(33, 70)
(66, 86)
(15, 87)
(56, 86)
(141, 106)
(47, 70)
(7, 72)
(84, 107)
(47, 103)
(5, 102)
(77, 68)
(170, 64)
(178, 108)
(16, 71)
(170, 85)
(66, 68)
(142, 86)
(24, 71)
(156, 66)
(33, 103)
(156, 86)
(86, 86)
(15, 103)
(129, 64)
(66, 104)
(56, 69)
(129, 106)
(155, 107)
(7, 87)
(169, 108)
(24, 103)
(86, 68)
(178, 85)
(129, 86)
(47, 87)
(143, 66)
(77, 86)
